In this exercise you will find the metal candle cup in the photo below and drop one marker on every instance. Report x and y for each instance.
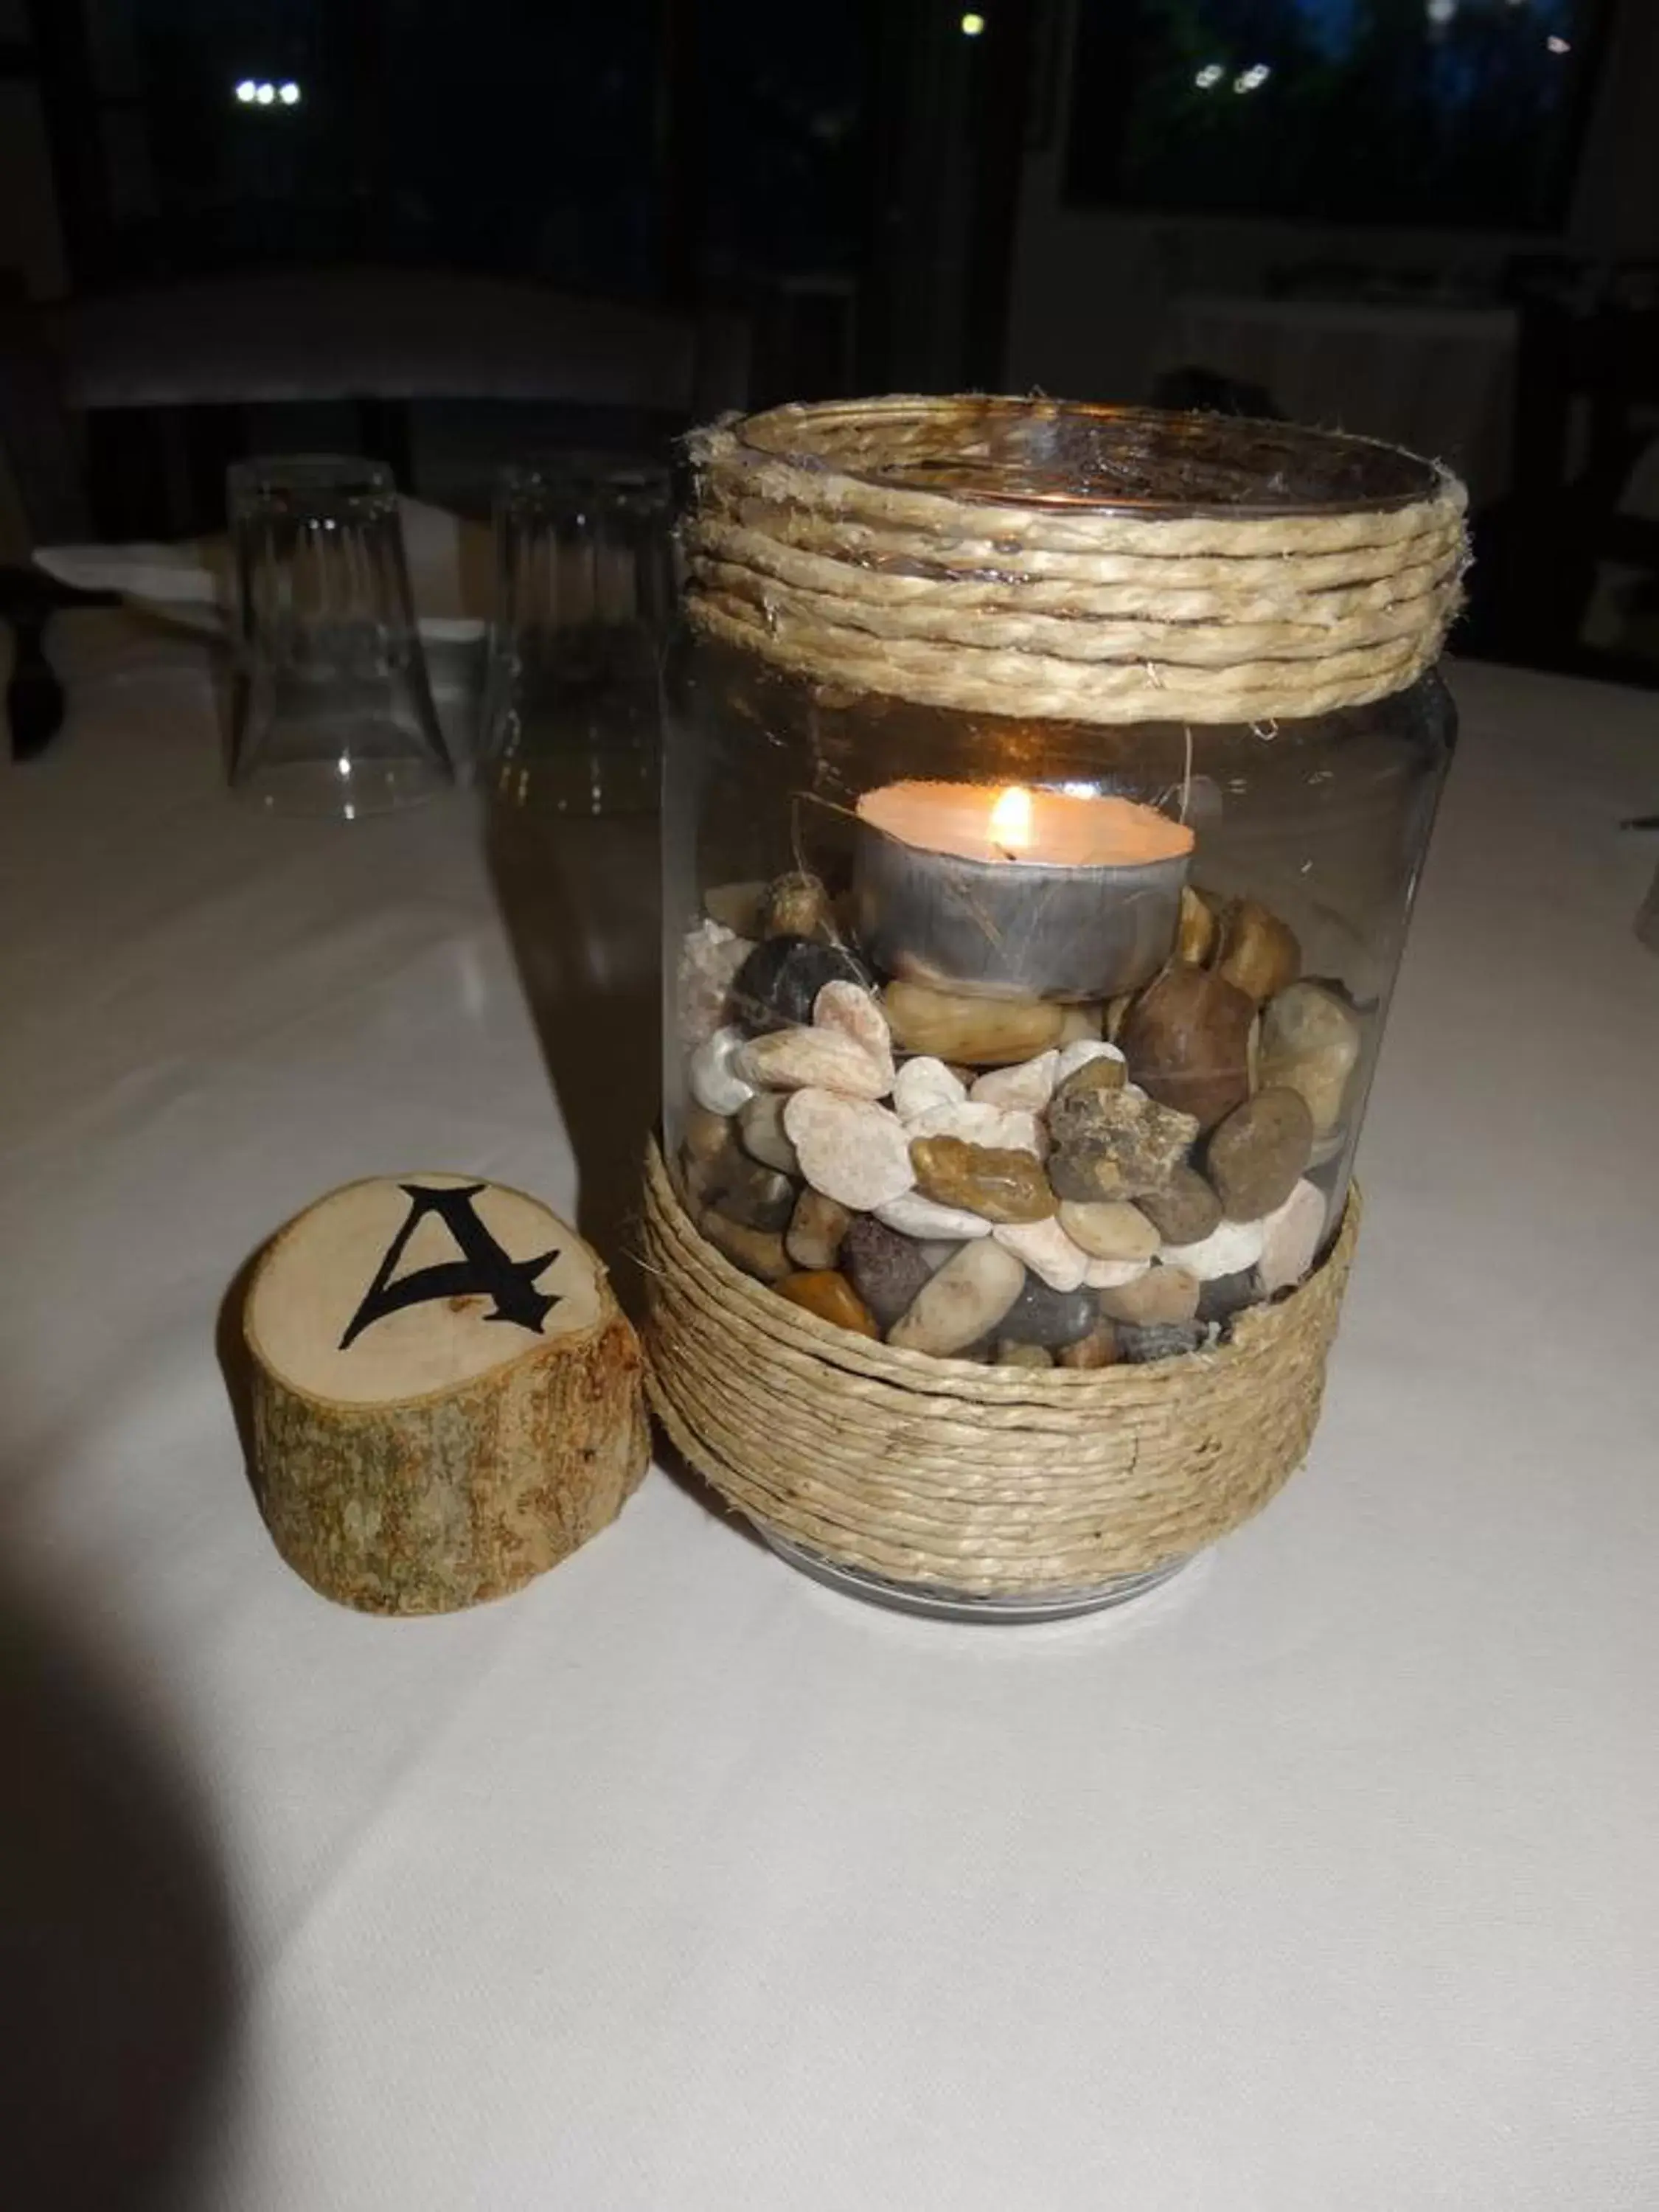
(1017, 894)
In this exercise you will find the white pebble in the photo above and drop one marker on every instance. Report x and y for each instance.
(1003, 1128)
(1030, 1085)
(924, 1083)
(963, 1303)
(1291, 1235)
(855, 1012)
(813, 1060)
(709, 960)
(1073, 1056)
(1113, 1274)
(849, 1149)
(913, 1215)
(713, 1073)
(1226, 1250)
(1046, 1250)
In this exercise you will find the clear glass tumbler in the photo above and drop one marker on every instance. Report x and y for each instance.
(332, 713)
(584, 588)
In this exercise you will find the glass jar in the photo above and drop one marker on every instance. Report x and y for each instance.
(1108, 978)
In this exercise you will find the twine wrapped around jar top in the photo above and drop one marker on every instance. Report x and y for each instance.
(1099, 565)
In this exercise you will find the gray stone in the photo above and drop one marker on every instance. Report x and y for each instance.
(1224, 1296)
(1138, 1347)
(762, 1135)
(1040, 1316)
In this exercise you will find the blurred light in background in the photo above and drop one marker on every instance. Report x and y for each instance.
(260, 92)
(972, 26)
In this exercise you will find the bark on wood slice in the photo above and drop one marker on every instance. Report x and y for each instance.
(445, 1396)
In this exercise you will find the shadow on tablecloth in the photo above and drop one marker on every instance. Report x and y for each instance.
(116, 1960)
(581, 901)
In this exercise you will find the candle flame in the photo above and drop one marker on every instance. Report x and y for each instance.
(1011, 820)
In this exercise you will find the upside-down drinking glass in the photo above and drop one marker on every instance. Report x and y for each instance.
(583, 591)
(332, 711)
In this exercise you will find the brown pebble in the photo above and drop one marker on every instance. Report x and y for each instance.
(796, 905)
(1160, 1297)
(1008, 1354)
(1255, 1160)
(1098, 1349)
(755, 1250)
(981, 1032)
(755, 1197)
(999, 1185)
(1259, 954)
(1186, 1038)
(1185, 1210)
(1105, 1073)
(706, 1134)
(1195, 934)
(831, 1297)
(735, 907)
(816, 1228)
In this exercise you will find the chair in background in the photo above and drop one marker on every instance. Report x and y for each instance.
(161, 387)
(1586, 412)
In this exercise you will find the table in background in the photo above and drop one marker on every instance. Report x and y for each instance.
(1324, 1879)
(1435, 379)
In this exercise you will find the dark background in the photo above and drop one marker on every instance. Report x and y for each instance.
(881, 194)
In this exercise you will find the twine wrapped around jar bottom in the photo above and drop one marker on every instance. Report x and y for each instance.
(994, 1481)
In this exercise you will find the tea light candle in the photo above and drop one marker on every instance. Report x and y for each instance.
(1013, 893)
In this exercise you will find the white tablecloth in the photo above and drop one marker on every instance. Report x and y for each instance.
(1325, 1878)
(1435, 379)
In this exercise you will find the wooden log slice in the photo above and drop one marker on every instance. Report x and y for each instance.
(445, 1394)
